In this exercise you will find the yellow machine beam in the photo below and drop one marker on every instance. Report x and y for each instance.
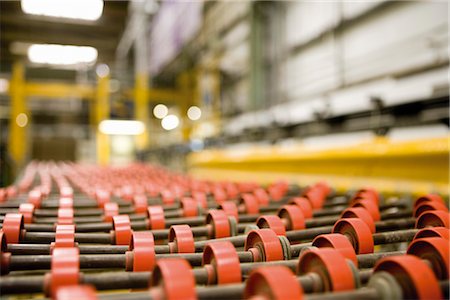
(17, 145)
(141, 109)
(102, 109)
(59, 90)
(418, 166)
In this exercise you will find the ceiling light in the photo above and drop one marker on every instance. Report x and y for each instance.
(102, 70)
(194, 113)
(170, 122)
(4, 85)
(22, 120)
(90, 10)
(61, 54)
(160, 111)
(121, 127)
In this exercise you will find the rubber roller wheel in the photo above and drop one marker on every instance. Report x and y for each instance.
(218, 224)
(358, 234)
(360, 213)
(64, 236)
(65, 268)
(413, 275)
(265, 245)
(35, 197)
(173, 279)
(262, 196)
(65, 215)
(181, 239)
(441, 232)
(167, 197)
(189, 207)
(142, 248)
(436, 251)
(430, 205)
(292, 217)
(429, 198)
(66, 191)
(110, 210)
(27, 210)
(249, 204)
(433, 218)
(367, 193)
(231, 190)
(140, 203)
(338, 242)
(276, 192)
(316, 197)
(324, 187)
(4, 255)
(79, 292)
(127, 193)
(102, 197)
(304, 205)
(156, 219)
(230, 208)
(274, 283)
(122, 229)
(370, 206)
(219, 195)
(222, 263)
(331, 266)
(200, 198)
(65, 202)
(12, 227)
(273, 222)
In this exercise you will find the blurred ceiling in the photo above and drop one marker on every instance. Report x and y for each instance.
(19, 29)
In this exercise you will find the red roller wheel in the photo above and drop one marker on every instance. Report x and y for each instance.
(65, 268)
(264, 244)
(65, 202)
(262, 196)
(358, 234)
(222, 263)
(249, 204)
(430, 205)
(12, 227)
(65, 215)
(110, 209)
(331, 267)
(127, 192)
(273, 282)
(189, 207)
(429, 198)
(292, 217)
(181, 239)
(272, 222)
(219, 195)
(276, 192)
(35, 197)
(2, 195)
(102, 197)
(66, 191)
(218, 224)
(413, 275)
(360, 213)
(200, 197)
(79, 292)
(142, 247)
(140, 203)
(324, 187)
(5, 256)
(173, 279)
(436, 251)
(122, 229)
(316, 197)
(231, 190)
(433, 218)
(441, 232)
(27, 210)
(230, 208)
(156, 217)
(339, 242)
(304, 205)
(367, 193)
(370, 206)
(64, 236)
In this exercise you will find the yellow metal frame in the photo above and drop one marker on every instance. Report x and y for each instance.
(411, 166)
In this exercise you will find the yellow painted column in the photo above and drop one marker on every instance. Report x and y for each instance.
(184, 86)
(141, 109)
(102, 109)
(17, 144)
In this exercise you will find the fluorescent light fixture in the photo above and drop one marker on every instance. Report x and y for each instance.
(121, 127)
(160, 111)
(4, 85)
(170, 122)
(90, 10)
(61, 54)
(194, 113)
